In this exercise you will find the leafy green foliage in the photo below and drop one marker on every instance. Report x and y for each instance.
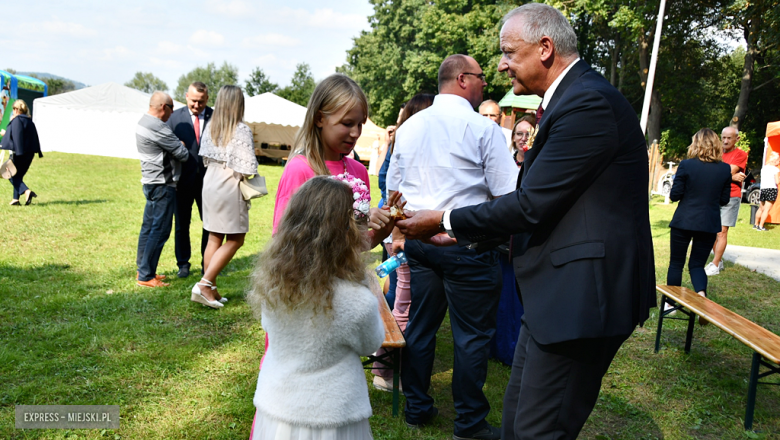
(259, 83)
(57, 85)
(400, 56)
(147, 83)
(214, 78)
(301, 85)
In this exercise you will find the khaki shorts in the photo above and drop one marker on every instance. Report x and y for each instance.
(729, 213)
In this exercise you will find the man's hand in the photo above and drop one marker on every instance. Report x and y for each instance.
(739, 177)
(420, 225)
(441, 240)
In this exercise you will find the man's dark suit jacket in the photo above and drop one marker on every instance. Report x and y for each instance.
(582, 248)
(181, 124)
(702, 188)
(21, 137)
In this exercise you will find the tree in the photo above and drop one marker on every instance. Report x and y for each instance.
(259, 83)
(214, 78)
(400, 56)
(301, 85)
(147, 83)
(10, 70)
(57, 85)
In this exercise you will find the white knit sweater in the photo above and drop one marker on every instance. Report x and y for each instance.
(312, 374)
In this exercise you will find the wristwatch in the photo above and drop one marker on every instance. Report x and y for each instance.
(441, 224)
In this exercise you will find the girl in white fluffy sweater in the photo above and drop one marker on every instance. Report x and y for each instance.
(310, 290)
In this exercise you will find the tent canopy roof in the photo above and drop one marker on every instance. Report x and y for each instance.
(108, 97)
(523, 101)
(271, 109)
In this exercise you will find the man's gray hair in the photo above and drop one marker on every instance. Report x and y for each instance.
(736, 131)
(539, 20)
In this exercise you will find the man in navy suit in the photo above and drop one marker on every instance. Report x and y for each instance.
(188, 124)
(579, 222)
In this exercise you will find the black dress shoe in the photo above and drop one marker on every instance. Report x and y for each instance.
(15, 203)
(30, 197)
(434, 412)
(486, 433)
(184, 272)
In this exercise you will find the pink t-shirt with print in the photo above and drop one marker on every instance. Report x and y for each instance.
(298, 171)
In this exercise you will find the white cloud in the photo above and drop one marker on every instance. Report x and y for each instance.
(168, 48)
(235, 8)
(168, 63)
(207, 38)
(197, 52)
(65, 28)
(277, 40)
(322, 19)
(116, 52)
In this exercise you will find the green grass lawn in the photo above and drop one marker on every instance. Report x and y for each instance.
(74, 329)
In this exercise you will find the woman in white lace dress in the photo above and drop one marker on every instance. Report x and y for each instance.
(228, 154)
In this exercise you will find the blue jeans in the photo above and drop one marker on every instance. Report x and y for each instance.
(469, 284)
(155, 229)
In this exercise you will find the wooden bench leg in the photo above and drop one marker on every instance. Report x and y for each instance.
(396, 371)
(751, 400)
(689, 335)
(660, 323)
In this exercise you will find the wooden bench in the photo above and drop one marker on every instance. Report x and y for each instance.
(394, 342)
(765, 344)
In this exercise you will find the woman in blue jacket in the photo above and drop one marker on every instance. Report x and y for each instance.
(701, 185)
(21, 137)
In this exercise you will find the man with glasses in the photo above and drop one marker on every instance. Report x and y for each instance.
(447, 156)
(161, 155)
(492, 111)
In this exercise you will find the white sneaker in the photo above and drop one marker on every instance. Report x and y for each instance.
(720, 265)
(711, 269)
(668, 306)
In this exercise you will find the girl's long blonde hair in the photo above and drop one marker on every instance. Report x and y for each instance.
(318, 241)
(228, 112)
(706, 146)
(331, 96)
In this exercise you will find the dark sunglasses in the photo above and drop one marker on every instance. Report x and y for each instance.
(170, 106)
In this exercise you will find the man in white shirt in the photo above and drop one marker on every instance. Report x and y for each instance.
(492, 111)
(448, 156)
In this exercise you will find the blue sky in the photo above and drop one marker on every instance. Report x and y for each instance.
(98, 41)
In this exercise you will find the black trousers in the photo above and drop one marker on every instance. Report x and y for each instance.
(469, 284)
(186, 194)
(22, 164)
(700, 251)
(553, 388)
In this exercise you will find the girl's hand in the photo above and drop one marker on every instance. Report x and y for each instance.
(379, 220)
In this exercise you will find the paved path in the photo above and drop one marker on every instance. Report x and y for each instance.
(765, 261)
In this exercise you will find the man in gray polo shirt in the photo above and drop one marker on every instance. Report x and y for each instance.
(161, 155)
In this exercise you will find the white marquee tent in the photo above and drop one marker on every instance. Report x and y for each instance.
(99, 120)
(273, 120)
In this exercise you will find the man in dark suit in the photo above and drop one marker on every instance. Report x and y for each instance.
(581, 244)
(188, 124)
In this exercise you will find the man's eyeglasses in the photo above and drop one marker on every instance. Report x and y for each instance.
(478, 75)
(170, 106)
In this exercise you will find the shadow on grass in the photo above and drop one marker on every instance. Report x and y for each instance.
(72, 202)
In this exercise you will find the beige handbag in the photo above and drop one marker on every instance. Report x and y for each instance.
(7, 169)
(253, 188)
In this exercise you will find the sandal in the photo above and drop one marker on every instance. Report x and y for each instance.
(198, 297)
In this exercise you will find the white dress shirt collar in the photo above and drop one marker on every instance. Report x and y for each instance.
(450, 99)
(551, 90)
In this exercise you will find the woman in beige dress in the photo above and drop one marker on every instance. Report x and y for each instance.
(228, 155)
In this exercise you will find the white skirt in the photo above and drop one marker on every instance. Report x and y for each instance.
(266, 428)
